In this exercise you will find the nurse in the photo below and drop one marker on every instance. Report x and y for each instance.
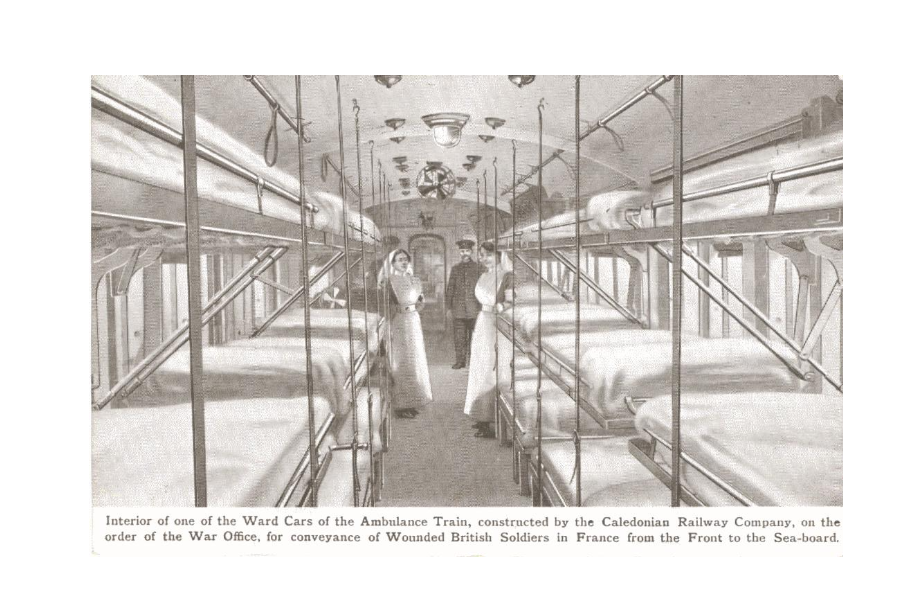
(407, 356)
(495, 292)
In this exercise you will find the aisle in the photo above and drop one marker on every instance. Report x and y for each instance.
(435, 460)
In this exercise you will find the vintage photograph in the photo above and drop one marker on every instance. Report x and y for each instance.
(466, 291)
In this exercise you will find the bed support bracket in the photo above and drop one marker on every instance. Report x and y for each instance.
(590, 283)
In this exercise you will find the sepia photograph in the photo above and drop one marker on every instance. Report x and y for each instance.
(466, 291)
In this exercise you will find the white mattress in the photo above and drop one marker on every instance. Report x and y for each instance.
(776, 449)
(559, 316)
(644, 369)
(143, 456)
(607, 211)
(253, 368)
(122, 150)
(331, 323)
(610, 476)
(823, 191)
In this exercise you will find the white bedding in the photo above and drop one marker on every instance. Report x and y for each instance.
(608, 210)
(644, 370)
(637, 362)
(610, 476)
(122, 150)
(253, 368)
(776, 449)
(143, 456)
(559, 317)
(332, 323)
(823, 191)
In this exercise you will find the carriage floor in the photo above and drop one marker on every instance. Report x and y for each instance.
(435, 460)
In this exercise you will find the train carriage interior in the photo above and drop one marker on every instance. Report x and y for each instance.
(672, 334)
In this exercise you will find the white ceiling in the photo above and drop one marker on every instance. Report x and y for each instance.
(717, 109)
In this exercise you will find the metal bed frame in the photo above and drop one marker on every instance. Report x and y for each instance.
(275, 233)
(815, 230)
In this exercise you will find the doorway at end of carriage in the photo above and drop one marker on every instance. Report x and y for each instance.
(428, 255)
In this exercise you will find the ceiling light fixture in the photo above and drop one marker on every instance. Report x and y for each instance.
(397, 140)
(486, 138)
(394, 123)
(495, 122)
(390, 80)
(469, 166)
(402, 167)
(400, 159)
(474, 158)
(522, 80)
(446, 127)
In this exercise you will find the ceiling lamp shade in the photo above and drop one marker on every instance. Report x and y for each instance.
(486, 138)
(394, 123)
(390, 80)
(468, 166)
(495, 122)
(474, 158)
(522, 80)
(400, 159)
(446, 127)
(398, 139)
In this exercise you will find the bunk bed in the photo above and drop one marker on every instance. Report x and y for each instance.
(619, 361)
(254, 389)
(751, 449)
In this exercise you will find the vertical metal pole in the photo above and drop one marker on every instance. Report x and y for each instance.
(577, 296)
(193, 251)
(479, 216)
(496, 287)
(726, 322)
(486, 206)
(314, 459)
(515, 457)
(703, 248)
(677, 281)
(348, 305)
(370, 395)
(540, 107)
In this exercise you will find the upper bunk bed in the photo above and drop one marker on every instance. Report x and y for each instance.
(137, 179)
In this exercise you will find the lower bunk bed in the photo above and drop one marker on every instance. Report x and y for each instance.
(616, 364)
(144, 456)
(752, 449)
(266, 374)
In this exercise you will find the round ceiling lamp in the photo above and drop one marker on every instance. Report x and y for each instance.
(486, 138)
(469, 166)
(474, 158)
(397, 139)
(495, 122)
(446, 127)
(389, 80)
(522, 80)
(400, 159)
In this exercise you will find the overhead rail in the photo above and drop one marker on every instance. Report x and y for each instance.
(649, 90)
(106, 103)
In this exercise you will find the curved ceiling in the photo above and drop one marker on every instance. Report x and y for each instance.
(718, 109)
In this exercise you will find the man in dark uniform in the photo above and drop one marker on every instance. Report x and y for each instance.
(461, 301)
